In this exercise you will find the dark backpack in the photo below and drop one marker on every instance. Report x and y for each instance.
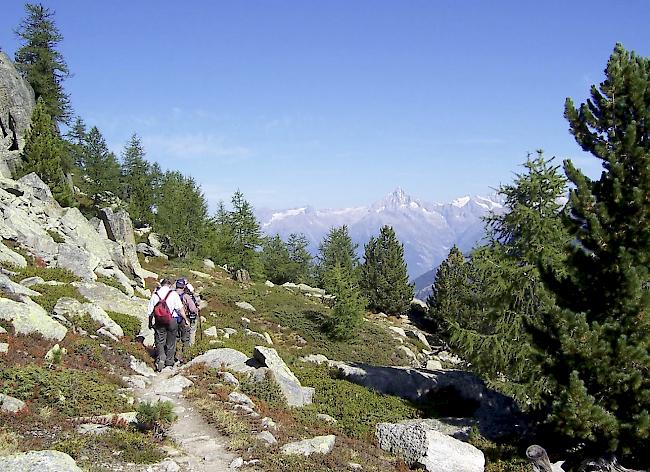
(191, 314)
(161, 312)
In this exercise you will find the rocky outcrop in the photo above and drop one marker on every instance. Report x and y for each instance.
(16, 106)
(294, 393)
(147, 250)
(39, 461)
(118, 226)
(70, 309)
(307, 447)
(224, 359)
(12, 257)
(27, 317)
(421, 445)
(8, 286)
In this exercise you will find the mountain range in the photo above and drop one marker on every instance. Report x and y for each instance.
(427, 230)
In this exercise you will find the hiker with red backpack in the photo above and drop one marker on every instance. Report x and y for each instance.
(187, 331)
(166, 312)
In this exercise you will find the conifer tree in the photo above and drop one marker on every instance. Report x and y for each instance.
(337, 248)
(247, 235)
(222, 237)
(276, 260)
(77, 137)
(349, 305)
(182, 215)
(384, 276)
(102, 170)
(43, 153)
(138, 181)
(594, 346)
(39, 61)
(301, 259)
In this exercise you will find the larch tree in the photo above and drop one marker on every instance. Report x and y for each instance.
(337, 248)
(349, 305)
(101, 168)
(138, 181)
(246, 235)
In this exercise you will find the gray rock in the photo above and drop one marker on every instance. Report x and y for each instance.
(398, 331)
(315, 359)
(107, 334)
(269, 284)
(2, 330)
(311, 290)
(29, 281)
(12, 257)
(154, 241)
(10, 404)
(255, 334)
(200, 274)
(419, 303)
(147, 250)
(230, 379)
(71, 308)
(10, 287)
(94, 429)
(307, 447)
(409, 354)
(246, 306)
(294, 393)
(224, 358)
(208, 264)
(4, 348)
(141, 368)
(229, 332)
(419, 336)
(242, 276)
(118, 225)
(241, 399)
(39, 461)
(136, 381)
(268, 423)
(433, 364)
(421, 445)
(267, 437)
(326, 418)
(16, 106)
(211, 331)
(27, 317)
(174, 384)
(236, 463)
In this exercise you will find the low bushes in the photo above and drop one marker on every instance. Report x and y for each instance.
(129, 324)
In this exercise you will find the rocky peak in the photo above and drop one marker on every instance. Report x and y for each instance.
(16, 105)
(398, 198)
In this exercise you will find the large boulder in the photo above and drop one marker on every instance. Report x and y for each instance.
(12, 257)
(8, 286)
(421, 445)
(27, 318)
(118, 225)
(307, 447)
(70, 309)
(10, 404)
(147, 250)
(112, 299)
(294, 393)
(224, 359)
(16, 106)
(39, 461)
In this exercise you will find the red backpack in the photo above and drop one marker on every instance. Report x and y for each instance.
(161, 312)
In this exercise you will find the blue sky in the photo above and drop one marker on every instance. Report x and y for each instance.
(335, 103)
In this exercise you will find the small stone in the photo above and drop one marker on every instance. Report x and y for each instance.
(211, 331)
(268, 423)
(315, 359)
(246, 306)
(10, 404)
(237, 463)
(29, 281)
(306, 447)
(327, 418)
(141, 368)
(230, 331)
(354, 466)
(433, 364)
(397, 330)
(267, 438)
(2, 330)
(245, 320)
(268, 339)
(4, 348)
(169, 466)
(208, 264)
(91, 428)
(241, 399)
(54, 352)
(174, 384)
(269, 284)
(230, 379)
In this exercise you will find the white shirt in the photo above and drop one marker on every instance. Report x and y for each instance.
(174, 302)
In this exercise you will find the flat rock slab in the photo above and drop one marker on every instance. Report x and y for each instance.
(294, 393)
(10, 404)
(39, 461)
(307, 447)
(225, 359)
(174, 384)
(28, 318)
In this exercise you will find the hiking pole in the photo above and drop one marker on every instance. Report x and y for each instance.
(200, 326)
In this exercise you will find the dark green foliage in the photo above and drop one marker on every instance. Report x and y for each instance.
(594, 346)
(77, 137)
(39, 61)
(301, 259)
(182, 215)
(47, 274)
(71, 392)
(349, 305)
(276, 261)
(152, 415)
(266, 390)
(44, 154)
(337, 248)
(129, 324)
(139, 181)
(50, 294)
(485, 304)
(101, 169)
(384, 276)
(246, 235)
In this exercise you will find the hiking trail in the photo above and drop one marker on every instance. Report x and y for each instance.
(199, 446)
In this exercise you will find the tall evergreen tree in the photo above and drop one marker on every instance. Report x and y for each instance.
(182, 215)
(337, 248)
(43, 153)
(221, 246)
(247, 235)
(276, 260)
(39, 61)
(138, 181)
(384, 277)
(349, 305)
(594, 347)
(301, 259)
(77, 139)
(101, 169)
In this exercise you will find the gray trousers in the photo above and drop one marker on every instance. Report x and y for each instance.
(187, 335)
(165, 338)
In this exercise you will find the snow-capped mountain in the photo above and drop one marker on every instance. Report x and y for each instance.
(427, 230)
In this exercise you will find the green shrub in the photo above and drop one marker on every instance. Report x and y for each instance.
(129, 324)
(73, 445)
(154, 415)
(71, 392)
(500, 457)
(356, 408)
(111, 282)
(47, 274)
(58, 237)
(50, 294)
(266, 390)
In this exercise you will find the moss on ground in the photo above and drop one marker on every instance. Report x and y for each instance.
(50, 294)
(129, 324)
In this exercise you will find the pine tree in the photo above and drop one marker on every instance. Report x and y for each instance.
(499, 292)
(77, 137)
(594, 347)
(246, 234)
(301, 259)
(40, 63)
(384, 276)
(138, 181)
(182, 215)
(221, 242)
(337, 248)
(276, 260)
(43, 152)
(101, 169)
(349, 306)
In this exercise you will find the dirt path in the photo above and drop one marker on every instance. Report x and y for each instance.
(201, 448)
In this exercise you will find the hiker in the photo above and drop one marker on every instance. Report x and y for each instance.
(187, 331)
(166, 311)
(196, 299)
